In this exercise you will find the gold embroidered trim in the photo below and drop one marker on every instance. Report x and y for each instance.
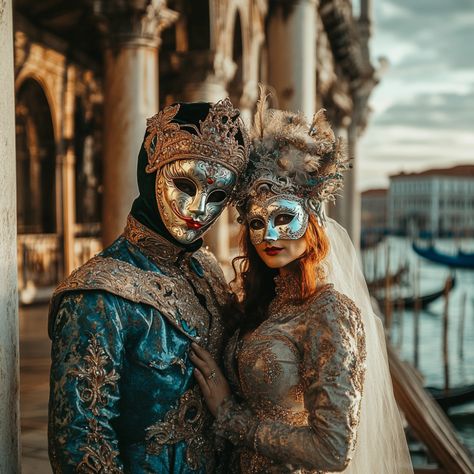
(99, 456)
(268, 410)
(154, 245)
(171, 298)
(93, 377)
(186, 422)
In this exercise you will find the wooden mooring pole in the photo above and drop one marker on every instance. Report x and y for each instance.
(447, 289)
(388, 301)
(461, 325)
(416, 316)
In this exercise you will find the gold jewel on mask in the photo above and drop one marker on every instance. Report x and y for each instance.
(214, 141)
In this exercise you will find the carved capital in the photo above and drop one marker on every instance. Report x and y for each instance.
(133, 21)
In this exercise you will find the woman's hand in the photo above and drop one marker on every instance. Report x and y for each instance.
(213, 384)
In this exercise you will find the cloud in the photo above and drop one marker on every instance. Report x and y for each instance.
(444, 111)
(391, 149)
(423, 109)
(440, 30)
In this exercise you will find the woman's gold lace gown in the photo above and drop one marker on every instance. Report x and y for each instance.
(298, 378)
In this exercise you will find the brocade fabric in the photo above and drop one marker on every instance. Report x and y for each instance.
(298, 380)
(123, 397)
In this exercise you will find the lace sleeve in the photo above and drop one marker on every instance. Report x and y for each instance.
(333, 369)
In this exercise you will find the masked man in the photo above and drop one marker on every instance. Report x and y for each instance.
(123, 397)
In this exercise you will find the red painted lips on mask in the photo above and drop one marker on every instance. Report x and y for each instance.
(192, 224)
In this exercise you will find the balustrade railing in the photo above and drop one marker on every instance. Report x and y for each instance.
(40, 263)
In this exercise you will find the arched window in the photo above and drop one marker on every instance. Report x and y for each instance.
(36, 161)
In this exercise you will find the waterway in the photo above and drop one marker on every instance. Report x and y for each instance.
(430, 277)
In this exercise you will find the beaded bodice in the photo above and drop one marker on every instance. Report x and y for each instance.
(268, 360)
(300, 375)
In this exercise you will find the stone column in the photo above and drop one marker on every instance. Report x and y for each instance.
(68, 174)
(351, 201)
(132, 31)
(69, 210)
(9, 390)
(292, 55)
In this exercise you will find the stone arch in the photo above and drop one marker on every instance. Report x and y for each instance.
(51, 89)
(36, 160)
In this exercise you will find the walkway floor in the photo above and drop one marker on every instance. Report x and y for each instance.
(34, 387)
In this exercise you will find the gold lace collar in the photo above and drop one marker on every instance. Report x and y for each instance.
(287, 287)
(152, 244)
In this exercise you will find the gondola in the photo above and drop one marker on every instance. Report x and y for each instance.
(454, 396)
(394, 279)
(461, 260)
(408, 302)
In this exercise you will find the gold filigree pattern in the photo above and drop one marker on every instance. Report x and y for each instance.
(189, 293)
(99, 455)
(266, 410)
(186, 422)
(172, 295)
(93, 378)
(154, 245)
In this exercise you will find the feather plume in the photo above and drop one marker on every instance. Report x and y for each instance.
(291, 156)
(259, 119)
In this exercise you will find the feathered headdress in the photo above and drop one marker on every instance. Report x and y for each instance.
(291, 157)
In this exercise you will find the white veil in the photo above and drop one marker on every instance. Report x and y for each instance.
(381, 444)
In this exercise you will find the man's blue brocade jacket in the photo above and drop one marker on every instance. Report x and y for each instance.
(123, 397)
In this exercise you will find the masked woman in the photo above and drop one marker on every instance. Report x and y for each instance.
(307, 363)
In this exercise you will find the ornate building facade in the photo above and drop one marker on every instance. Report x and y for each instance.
(88, 74)
(434, 202)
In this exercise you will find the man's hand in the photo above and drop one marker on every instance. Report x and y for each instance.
(213, 384)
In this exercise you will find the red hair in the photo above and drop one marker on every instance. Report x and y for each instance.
(254, 281)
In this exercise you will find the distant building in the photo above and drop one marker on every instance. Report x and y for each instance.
(437, 202)
(374, 210)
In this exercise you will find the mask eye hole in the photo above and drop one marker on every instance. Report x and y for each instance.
(217, 196)
(256, 224)
(185, 185)
(283, 219)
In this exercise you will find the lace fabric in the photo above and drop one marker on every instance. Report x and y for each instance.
(315, 375)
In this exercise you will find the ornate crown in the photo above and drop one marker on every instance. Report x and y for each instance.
(290, 157)
(214, 141)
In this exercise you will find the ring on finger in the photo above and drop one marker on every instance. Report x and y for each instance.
(212, 375)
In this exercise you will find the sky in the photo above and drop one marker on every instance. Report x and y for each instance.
(422, 112)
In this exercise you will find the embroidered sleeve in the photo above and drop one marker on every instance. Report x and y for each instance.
(333, 370)
(235, 422)
(84, 390)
